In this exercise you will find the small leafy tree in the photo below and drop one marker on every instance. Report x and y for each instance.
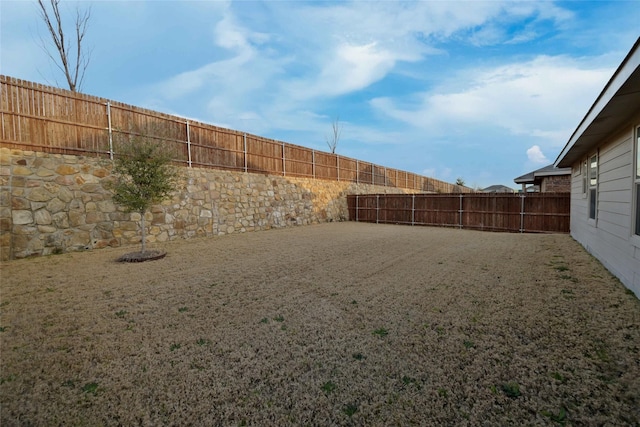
(460, 181)
(144, 176)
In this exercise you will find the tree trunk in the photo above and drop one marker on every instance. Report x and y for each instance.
(144, 234)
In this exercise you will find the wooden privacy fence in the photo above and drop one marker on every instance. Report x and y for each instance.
(530, 213)
(41, 118)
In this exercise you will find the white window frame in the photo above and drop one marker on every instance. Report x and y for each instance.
(584, 169)
(592, 184)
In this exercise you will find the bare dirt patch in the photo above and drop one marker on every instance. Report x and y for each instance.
(336, 324)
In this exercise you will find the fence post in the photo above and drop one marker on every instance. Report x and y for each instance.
(377, 207)
(284, 164)
(357, 172)
(188, 142)
(522, 213)
(244, 142)
(110, 133)
(460, 212)
(413, 209)
(338, 166)
(313, 163)
(384, 170)
(357, 197)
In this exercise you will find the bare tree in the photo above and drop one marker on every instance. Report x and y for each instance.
(336, 130)
(72, 58)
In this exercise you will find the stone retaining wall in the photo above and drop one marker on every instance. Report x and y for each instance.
(52, 203)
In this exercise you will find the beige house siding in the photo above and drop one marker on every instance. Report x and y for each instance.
(610, 238)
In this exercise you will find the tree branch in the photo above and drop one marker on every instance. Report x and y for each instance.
(332, 140)
(74, 73)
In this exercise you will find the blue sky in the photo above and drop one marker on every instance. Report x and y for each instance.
(485, 91)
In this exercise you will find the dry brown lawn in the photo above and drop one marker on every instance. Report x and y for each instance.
(334, 324)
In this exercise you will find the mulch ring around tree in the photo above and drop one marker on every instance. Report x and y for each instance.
(142, 256)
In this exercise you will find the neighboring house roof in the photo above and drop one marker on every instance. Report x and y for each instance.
(549, 170)
(498, 189)
(615, 105)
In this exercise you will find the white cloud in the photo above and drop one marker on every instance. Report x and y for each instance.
(231, 35)
(353, 45)
(350, 68)
(534, 98)
(535, 155)
(359, 65)
(272, 63)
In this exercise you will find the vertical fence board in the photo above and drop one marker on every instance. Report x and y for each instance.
(42, 118)
(326, 166)
(395, 208)
(298, 161)
(543, 212)
(438, 209)
(348, 169)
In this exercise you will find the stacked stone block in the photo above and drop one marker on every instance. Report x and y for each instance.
(51, 203)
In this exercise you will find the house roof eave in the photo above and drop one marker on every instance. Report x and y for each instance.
(617, 102)
(549, 170)
(555, 172)
(524, 179)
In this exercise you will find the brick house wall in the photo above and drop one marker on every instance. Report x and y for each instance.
(556, 184)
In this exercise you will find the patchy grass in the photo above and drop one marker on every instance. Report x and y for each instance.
(559, 417)
(511, 389)
(350, 409)
(202, 342)
(90, 388)
(381, 332)
(328, 387)
(558, 377)
(385, 325)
